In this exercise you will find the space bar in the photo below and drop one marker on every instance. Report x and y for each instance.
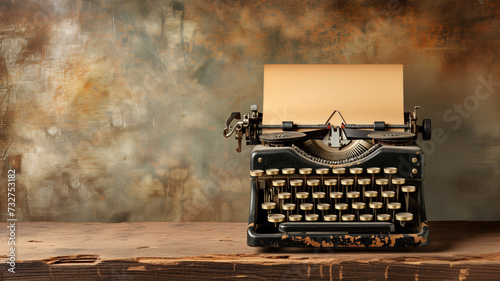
(349, 227)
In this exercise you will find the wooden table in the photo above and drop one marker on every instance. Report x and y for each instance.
(214, 251)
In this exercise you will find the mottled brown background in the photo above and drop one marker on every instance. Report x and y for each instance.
(113, 110)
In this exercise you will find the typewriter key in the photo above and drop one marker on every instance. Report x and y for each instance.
(283, 196)
(357, 206)
(305, 172)
(346, 183)
(288, 207)
(364, 183)
(352, 196)
(375, 206)
(288, 172)
(255, 174)
(338, 172)
(356, 172)
(390, 171)
(295, 217)
(330, 217)
(296, 184)
(404, 217)
(348, 217)
(383, 217)
(312, 217)
(370, 194)
(322, 172)
(381, 183)
(318, 196)
(323, 207)
(268, 206)
(407, 189)
(330, 183)
(272, 172)
(341, 207)
(386, 195)
(312, 183)
(276, 218)
(393, 206)
(366, 217)
(279, 183)
(336, 196)
(306, 207)
(373, 171)
(398, 182)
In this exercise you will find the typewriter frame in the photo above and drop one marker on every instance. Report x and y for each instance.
(387, 154)
(279, 154)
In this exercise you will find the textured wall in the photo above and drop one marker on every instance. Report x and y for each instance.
(113, 110)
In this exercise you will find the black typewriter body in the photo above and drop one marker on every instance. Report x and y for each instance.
(335, 186)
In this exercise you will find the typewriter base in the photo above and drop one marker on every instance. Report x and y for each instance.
(338, 240)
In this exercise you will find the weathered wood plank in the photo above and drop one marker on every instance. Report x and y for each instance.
(214, 251)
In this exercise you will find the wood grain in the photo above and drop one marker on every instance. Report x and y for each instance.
(214, 251)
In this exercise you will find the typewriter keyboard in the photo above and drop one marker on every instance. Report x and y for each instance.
(335, 195)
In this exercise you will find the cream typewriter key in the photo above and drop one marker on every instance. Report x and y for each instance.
(288, 207)
(295, 217)
(398, 182)
(255, 174)
(330, 183)
(390, 171)
(312, 183)
(330, 217)
(382, 183)
(305, 172)
(288, 172)
(366, 217)
(306, 207)
(322, 172)
(373, 171)
(296, 184)
(375, 206)
(383, 217)
(404, 217)
(356, 172)
(312, 217)
(341, 207)
(352, 196)
(279, 183)
(370, 194)
(393, 206)
(348, 217)
(301, 197)
(357, 206)
(407, 189)
(346, 183)
(318, 196)
(386, 195)
(336, 196)
(338, 172)
(276, 218)
(364, 183)
(283, 196)
(323, 207)
(272, 172)
(268, 206)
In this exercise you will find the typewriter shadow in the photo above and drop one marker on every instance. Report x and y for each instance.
(444, 237)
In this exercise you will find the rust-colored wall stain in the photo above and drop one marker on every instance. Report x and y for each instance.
(116, 108)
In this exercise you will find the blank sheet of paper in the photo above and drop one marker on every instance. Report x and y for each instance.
(309, 93)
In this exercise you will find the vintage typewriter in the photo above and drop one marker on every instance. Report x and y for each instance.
(326, 185)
